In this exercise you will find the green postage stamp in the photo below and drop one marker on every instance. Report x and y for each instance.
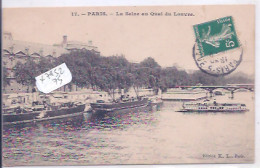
(217, 50)
(216, 36)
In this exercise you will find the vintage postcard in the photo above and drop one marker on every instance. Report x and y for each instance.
(128, 85)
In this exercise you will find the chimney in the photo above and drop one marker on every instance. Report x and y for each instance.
(64, 40)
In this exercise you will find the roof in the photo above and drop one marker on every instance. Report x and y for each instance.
(30, 48)
(78, 45)
(24, 48)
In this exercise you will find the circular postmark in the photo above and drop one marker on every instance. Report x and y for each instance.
(218, 64)
(217, 50)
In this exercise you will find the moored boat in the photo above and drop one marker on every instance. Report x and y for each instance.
(17, 113)
(38, 113)
(102, 106)
(207, 106)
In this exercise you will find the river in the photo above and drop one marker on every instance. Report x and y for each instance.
(141, 136)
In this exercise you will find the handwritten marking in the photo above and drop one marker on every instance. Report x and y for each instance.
(53, 79)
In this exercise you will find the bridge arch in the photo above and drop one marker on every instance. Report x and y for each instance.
(231, 88)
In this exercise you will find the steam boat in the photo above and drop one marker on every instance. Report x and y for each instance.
(208, 106)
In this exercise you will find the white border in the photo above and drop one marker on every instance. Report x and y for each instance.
(67, 3)
(52, 3)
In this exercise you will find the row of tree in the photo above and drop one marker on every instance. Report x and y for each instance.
(116, 72)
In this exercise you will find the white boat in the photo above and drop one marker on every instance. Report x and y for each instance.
(208, 106)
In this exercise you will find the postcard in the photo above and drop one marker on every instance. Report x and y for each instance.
(128, 85)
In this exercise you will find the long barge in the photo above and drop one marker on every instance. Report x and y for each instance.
(101, 106)
(18, 115)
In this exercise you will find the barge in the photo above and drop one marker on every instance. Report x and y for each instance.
(102, 106)
(38, 113)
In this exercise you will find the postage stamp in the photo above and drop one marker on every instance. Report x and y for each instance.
(217, 51)
(216, 36)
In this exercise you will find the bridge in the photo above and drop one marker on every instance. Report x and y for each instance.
(229, 87)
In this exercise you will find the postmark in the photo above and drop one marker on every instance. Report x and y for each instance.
(217, 50)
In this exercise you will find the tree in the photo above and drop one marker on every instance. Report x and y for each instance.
(111, 74)
(26, 73)
(45, 64)
(89, 69)
(6, 80)
(149, 62)
(152, 71)
(82, 64)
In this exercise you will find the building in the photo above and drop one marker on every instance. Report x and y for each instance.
(15, 50)
(76, 45)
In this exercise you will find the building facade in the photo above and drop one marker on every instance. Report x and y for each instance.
(14, 51)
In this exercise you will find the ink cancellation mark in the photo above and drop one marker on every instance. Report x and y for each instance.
(217, 50)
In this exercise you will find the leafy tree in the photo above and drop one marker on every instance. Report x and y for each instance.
(116, 72)
(6, 80)
(149, 62)
(45, 65)
(82, 65)
(26, 73)
(152, 72)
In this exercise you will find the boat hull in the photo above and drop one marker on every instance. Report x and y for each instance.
(19, 117)
(110, 107)
(48, 115)
(66, 111)
(213, 111)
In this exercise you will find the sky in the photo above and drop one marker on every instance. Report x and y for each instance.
(167, 39)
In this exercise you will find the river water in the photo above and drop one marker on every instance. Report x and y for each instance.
(140, 136)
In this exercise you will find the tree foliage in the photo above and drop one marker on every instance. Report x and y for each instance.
(25, 73)
(116, 72)
(6, 80)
